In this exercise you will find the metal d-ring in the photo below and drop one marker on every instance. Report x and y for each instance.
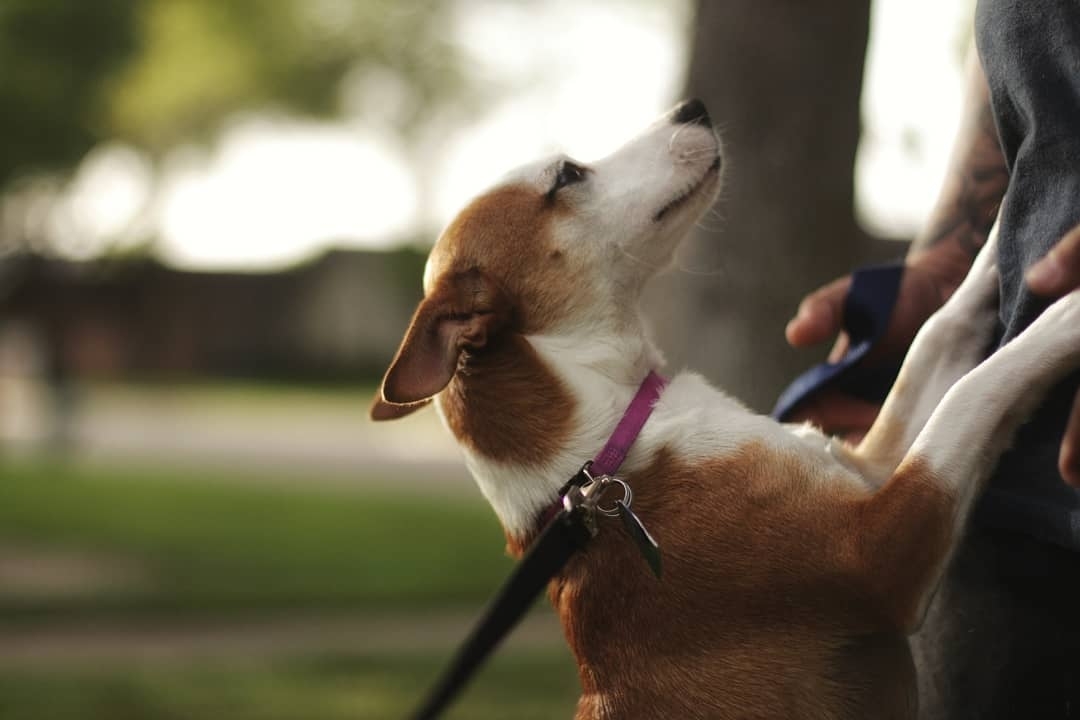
(605, 482)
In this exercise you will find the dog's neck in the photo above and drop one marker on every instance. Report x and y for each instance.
(529, 413)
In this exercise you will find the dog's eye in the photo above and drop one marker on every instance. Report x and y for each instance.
(569, 173)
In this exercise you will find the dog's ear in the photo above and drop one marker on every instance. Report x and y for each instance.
(464, 313)
(382, 410)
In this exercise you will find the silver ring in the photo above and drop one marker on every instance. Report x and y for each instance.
(627, 498)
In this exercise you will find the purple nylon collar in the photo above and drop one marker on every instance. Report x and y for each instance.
(611, 457)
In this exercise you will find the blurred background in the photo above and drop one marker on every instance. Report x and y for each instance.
(213, 220)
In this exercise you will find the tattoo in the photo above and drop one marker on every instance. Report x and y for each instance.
(974, 188)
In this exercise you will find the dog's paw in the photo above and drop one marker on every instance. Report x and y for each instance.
(978, 293)
(966, 323)
(1058, 328)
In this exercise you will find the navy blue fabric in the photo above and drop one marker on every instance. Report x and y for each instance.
(1030, 50)
(867, 309)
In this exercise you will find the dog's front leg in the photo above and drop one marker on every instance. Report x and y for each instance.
(950, 343)
(910, 526)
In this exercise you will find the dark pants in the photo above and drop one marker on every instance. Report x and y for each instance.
(1002, 637)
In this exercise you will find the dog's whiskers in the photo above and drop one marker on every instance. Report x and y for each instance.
(674, 137)
(715, 272)
(684, 268)
(712, 215)
(644, 263)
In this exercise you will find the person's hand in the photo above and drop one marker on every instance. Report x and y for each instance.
(1053, 276)
(929, 279)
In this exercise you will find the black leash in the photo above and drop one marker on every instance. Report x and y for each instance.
(559, 541)
(567, 533)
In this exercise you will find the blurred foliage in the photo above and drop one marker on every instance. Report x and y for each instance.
(201, 60)
(406, 267)
(157, 73)
(56, 57)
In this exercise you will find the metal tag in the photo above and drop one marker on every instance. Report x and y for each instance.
(649, 548)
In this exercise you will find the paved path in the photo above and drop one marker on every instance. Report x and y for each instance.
(71, 643)
(321, 433)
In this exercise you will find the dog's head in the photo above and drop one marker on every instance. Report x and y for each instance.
(557, 246)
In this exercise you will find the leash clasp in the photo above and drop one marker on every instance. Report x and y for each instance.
(590, 491)
(583, 501)
(580, 510)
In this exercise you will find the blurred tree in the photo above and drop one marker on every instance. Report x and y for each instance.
(783, 81)
(203, 60)
(160, 73)
(57, 57)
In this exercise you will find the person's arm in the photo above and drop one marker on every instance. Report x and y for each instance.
(971, 193)
(937, 260)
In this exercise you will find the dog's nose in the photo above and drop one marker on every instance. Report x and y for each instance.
(692, 112)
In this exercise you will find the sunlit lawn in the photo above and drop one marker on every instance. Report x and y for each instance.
(207, 543)
(212, 544)
(524, 687)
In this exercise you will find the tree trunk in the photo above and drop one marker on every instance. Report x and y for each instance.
(783, 80)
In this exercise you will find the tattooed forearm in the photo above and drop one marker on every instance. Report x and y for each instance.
(976, 181)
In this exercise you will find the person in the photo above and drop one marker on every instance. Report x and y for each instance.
(1002, 638)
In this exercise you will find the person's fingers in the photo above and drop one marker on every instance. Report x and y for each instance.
(839, 348)
(820, 315)
(1058, 272)
(837, 413)
(1069, 459)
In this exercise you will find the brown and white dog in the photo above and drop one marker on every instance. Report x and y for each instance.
(794, 565)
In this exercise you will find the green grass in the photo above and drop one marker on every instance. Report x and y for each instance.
(207, 543)
(222, 545)
(524, 687)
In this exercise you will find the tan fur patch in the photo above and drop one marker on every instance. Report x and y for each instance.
(506, 405)
(763, 609)
(909, 528)
(507, 235)
(503, 402)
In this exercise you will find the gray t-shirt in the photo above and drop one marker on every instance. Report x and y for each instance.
(1030, 50)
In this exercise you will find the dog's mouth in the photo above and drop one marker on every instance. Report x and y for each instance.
(682, 198)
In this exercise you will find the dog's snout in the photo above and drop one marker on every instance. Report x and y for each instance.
(692, 112)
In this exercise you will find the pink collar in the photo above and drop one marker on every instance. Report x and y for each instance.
(611, 456)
